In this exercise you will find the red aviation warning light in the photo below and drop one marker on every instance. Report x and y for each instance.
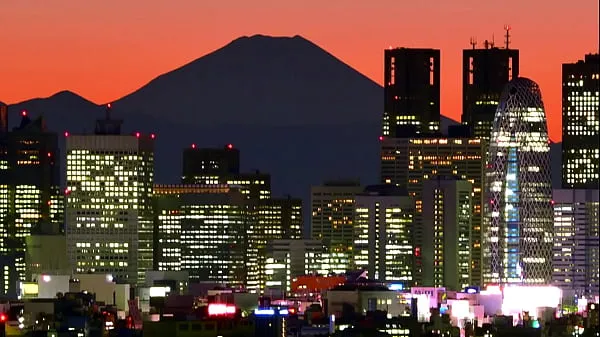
(193, 146)
(230, 146)
(24, 113)
(3, 317)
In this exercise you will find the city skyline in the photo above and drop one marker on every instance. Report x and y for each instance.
(73, 57)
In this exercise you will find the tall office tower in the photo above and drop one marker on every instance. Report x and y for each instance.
(203, 227)
(201, 164)
(447, 214)
(109, 201)
(576, 259)
(408, 162)
(288, 259)
(485, 73)
(518, 209)
(206, 166)
(30, 196)
(269, 219)
(581, 123)
(382, 241)
(332, 220)
(411, 91)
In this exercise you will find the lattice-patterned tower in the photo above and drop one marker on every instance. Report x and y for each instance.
(519, 219)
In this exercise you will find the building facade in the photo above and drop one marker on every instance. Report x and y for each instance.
(109, 225)
(576, 253)
(209, 166)
(201, 229)
(485, 73)
(411, 91)
(409, 162)
(519, 224)
(287, 259)
(581, 123)
(383, 222)
(447, 215)
(270, 219)
(332, 220)
(30, 198)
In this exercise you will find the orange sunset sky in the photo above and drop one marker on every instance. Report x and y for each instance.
(105, 49)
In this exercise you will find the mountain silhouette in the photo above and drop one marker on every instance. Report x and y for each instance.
(293, 109)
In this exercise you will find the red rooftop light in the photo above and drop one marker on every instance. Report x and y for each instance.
(230, 146)
(49, 154)
(137, 134)
(66, 133)
(109, 105)
(380, 138)
(24, 113)
(2, 318)
(193, 146)
(152, 136)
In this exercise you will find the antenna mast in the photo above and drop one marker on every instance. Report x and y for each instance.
(473, 42)
(108, 108)
(507, 36)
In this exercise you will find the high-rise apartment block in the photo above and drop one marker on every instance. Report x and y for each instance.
(581, 123)
(409, 162)
(332, 220)
(411, 91)
(447, 215)
(576, 254)
(109, 225)
(382, 242)
(518, 209)
(485, 73)
(30, 198)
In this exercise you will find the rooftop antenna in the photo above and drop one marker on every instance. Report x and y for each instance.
(493, 40)
(473, 42)
(507, 36)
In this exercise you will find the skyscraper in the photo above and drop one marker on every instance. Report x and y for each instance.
(519, 217)
(485, 73)
(581, 123)
(201, 164)
(409, 162)
(109, 202)
(383, 221)
(268, 220)
(30, 197)
(411, 90)
(447, 214)
(332, 220)
(576, 260)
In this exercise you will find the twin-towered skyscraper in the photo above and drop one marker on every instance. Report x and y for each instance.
(506, 114)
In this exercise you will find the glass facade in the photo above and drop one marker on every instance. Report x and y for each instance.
(409, 162)
(30, 197)
(201, 230)
(332, 220)
(382, 244)
(447, 215)
(576, 253)
(519, 226)
(109, 205)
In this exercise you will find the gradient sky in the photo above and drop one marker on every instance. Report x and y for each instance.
(105, 49)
